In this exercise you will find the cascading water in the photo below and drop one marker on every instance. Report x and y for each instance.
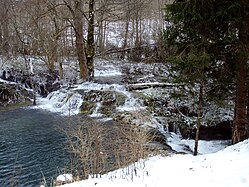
(65, 102)
(68, 102)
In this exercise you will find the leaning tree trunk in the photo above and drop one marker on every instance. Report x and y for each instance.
(241, 125)
(90, 41)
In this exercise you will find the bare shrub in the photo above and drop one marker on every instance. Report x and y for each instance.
(130, 144)
(99, 148)
(86, 145)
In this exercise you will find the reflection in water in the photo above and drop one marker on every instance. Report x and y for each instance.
(30, 146)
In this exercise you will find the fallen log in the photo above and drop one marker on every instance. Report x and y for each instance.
(119, 50)
(142, 86)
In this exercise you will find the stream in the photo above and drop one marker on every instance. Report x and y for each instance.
(31, 147)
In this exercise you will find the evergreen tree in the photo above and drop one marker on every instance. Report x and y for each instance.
(241, 125)
(206, 38)
(191, 55)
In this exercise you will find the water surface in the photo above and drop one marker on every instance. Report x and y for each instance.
(31, 147)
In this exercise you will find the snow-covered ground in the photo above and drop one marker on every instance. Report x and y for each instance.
(226, 168)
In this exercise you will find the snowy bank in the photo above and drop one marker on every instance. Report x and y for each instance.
(226, 168)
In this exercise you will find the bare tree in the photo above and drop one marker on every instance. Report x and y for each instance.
(90, 40)
(75, 8)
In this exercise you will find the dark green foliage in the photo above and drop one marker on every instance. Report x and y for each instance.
(202, 39)
(209, 38)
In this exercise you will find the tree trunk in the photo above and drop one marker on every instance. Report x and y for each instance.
(61, 70)
(137, 42)
(104, 35)
(241, 126)
(1, 40)
(198, 118)
(52, 56)
(101, 23)
(126, 36)
(80, 47)
(5, 28)
(56, 36)
(90, 41)
(240, 131)
(100, 36)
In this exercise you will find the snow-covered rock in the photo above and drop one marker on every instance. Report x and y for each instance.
(64, 178)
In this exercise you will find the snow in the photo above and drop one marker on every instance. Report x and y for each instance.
(226, 168)
(65, 178)
(103, 87)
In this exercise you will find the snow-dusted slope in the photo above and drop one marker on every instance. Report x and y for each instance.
(226, 168)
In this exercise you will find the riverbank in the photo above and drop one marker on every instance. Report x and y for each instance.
(225, 168)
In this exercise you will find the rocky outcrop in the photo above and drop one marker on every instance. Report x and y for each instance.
(142, 119)
(221, 131)
(181, 119)
(108, 100)
(50, 83)
(14, 94)
(43, 83)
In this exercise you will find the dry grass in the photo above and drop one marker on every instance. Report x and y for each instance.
(99, 148)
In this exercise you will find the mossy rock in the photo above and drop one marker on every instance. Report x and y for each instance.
(107, 110)
(106, 98)
(12, 106)
(110, 101)
(185, 130)
(14, 94)
(120, 99)
(93, 96)
(87, 107)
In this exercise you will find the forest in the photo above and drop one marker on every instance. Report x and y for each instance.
(129, 79)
